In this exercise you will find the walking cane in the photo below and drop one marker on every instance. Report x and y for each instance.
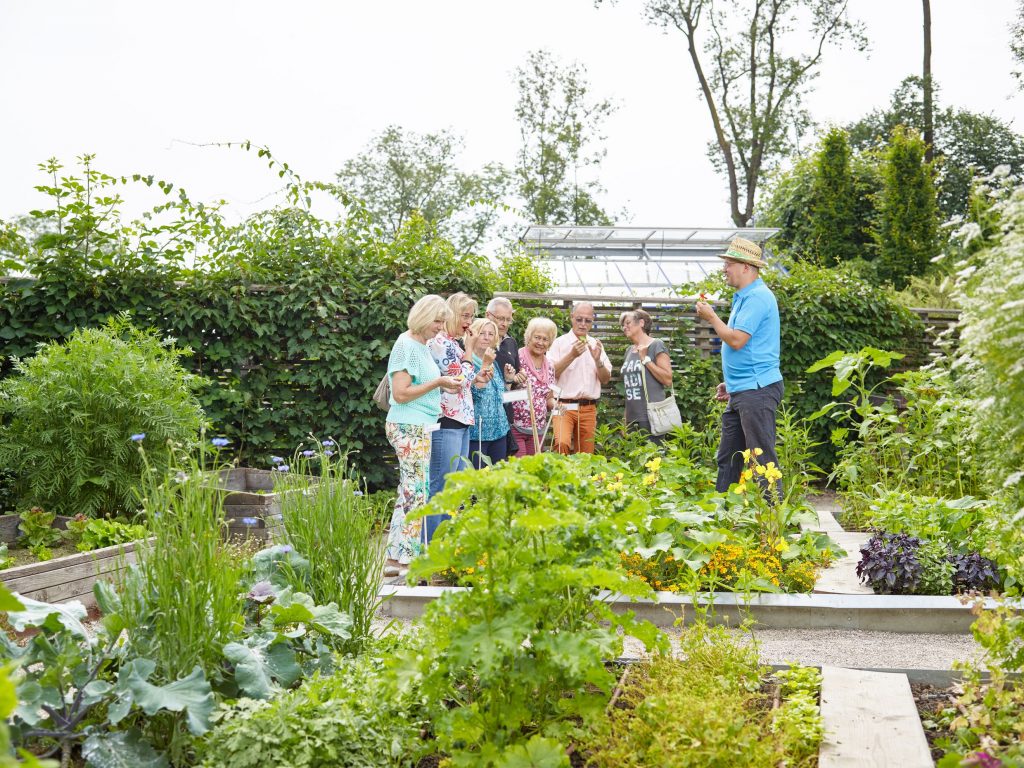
(558, 393)
(533, 416)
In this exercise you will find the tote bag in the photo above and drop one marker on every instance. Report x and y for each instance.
(382, 394)
(663, 416)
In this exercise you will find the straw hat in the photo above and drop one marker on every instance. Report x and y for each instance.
(744, 251)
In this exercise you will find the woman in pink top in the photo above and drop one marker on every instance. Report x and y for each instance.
(540, 372)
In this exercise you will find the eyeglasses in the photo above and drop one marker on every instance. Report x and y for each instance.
(466, 315)
(499, 318)
(584, 320)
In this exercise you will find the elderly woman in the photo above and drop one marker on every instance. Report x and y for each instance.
(416, 385)
(540, 373)
(489, 434)
(646, 371)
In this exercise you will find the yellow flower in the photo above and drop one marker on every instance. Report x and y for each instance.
(781, 545)
(650, 479)
(771, 473)
(758, 451)
(619, 475)
(741, 487)
(746, 455)
(654, 464)
(759, 469)
(746, 474)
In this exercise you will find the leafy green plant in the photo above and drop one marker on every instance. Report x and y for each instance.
(38, 533)
(291, 638)
(99, 533)
(181, 624)
(986, 717)
(71, 408)
(705, 708)
(356, 717)
(69, 676)
(6, 561)
(329, 518)
(513, 665)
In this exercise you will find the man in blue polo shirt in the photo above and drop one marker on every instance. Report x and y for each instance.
(750, 362)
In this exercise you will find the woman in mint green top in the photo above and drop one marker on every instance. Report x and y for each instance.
(415, 405)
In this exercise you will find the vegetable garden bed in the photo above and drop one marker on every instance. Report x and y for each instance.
(888, 613)
(71, 577)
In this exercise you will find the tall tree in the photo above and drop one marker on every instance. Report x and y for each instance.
(967, 144)
(926, 77)
(401, 172)
(561, 147)
(835, 218)
(753, 90)
(1017, 42)
(907, 225)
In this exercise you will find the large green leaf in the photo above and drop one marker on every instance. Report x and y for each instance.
(538, 752)
(8, 602)
(50, 617)
(122, 749)
(261, 665)
(191, 695)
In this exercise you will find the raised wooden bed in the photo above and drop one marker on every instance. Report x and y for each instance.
(252, 506)
(70, 577)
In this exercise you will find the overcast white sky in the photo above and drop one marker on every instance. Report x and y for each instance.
(138, 83)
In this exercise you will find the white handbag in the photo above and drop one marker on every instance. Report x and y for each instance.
(663, 416)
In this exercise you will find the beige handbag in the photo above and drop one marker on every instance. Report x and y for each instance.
(382, 394)
(663, 416)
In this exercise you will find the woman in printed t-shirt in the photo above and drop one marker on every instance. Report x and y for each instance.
(416, 385)
(646, 371)
(449, 445)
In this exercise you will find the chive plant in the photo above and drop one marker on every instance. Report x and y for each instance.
(182, 603)
(330, 520)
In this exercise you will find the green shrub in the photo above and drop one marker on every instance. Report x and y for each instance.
(353, 719)
(72, 408)
(705, 709)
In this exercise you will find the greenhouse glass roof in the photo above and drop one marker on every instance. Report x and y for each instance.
(636, 261)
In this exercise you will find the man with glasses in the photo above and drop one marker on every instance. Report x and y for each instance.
(499, 310)
(750, 362)
(581, 368)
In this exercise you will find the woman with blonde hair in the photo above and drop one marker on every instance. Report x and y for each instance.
(646, 371)
(416, 385)
(449, 444)
(489, 434)
(540, 373)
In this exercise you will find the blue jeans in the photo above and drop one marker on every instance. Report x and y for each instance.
(748, 422)
(449, 452)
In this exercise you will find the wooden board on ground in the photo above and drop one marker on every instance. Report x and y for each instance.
(870, 720)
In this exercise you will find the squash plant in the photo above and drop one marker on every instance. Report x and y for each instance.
(512, 668)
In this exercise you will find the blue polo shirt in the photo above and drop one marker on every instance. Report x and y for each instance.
(756, 364)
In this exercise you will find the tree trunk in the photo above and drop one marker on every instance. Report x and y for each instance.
(929, 129)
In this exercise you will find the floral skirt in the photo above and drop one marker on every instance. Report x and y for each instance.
(412, 446)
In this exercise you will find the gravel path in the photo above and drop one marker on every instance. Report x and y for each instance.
(817, 647)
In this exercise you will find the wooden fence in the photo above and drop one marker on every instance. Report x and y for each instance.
(674, 318)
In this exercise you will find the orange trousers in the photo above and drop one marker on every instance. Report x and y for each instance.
(574, 430)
